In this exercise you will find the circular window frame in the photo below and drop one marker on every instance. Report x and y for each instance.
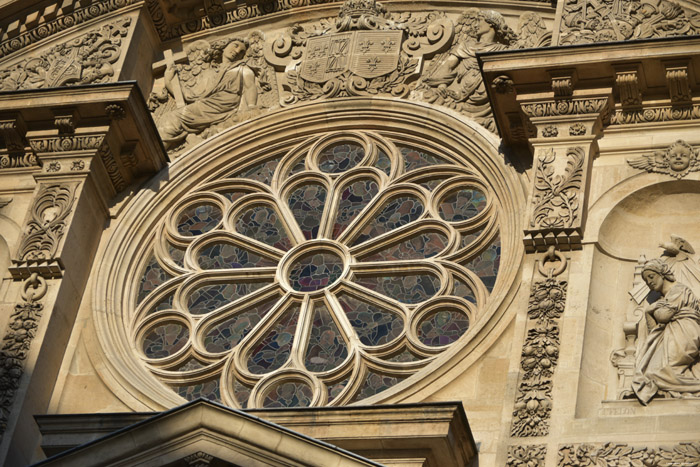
(118, 359)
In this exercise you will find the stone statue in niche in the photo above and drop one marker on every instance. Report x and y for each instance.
(668, 357)
(221, 85)
(677, 160)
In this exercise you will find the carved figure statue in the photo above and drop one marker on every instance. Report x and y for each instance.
(216, 96)
(668, 360)
(456, 81)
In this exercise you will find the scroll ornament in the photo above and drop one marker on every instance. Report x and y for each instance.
(556, 197)
(677, 160)
(84, 60)
(593, 455)
(47, 225)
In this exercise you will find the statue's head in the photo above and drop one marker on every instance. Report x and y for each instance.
(679, 156)
(654, 272)
(235, 49)
(494, 20)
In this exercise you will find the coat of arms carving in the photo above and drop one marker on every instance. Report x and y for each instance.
(364, 51)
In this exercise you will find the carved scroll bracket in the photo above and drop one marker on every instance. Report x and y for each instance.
(564, 145)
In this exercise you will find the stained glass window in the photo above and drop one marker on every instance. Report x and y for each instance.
(370, 261)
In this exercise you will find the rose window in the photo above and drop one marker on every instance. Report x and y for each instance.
(324, 274)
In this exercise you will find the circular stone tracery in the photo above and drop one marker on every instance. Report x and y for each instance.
(351, 257)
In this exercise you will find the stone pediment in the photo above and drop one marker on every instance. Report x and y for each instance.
(204, 433)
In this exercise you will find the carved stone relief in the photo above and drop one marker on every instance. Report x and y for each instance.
(13, 130)
(585, 455)
(556, 197)
(453, 78)
(21, 330)
(677, 160)
(47, 224)
(223, 82)
(86, 59)
(40, 24)
(664, 362)
(526, 456)
(540, 353)
(586, 21)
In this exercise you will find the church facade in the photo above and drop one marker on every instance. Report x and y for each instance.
(350, 233)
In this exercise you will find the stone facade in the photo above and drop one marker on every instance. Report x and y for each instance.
(355, 223)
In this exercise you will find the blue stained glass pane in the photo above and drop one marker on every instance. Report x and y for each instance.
(198, 219)
(406, 288)
(373, 325)
(210, 297)
(339, 157)
(461, 205)
(261, 172)
(273, 350)
(225, 255)
(227, 334)
(415, 158)
(326, 348)
(395, 213)
(442, 327)
(353, 199)
(306, 204)
(376, 383)
(418, 246)
(263, 224)
(207, 390)
(165, 340)
(487, 263)
(153, 276)
(289, 394)
(316, 271)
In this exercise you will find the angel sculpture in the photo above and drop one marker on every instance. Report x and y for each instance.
(678, 160)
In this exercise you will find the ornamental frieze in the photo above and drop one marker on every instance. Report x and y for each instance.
(585, 455)
(84, 60)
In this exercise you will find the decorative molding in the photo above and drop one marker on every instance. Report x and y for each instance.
(559, 107)
(115, 175)
(46, 23)
(503, 84)
(654, 114)
(583, 23)
(44, 231)
(555, 200)
(115, 111)
(77, 165)
(65, 120)
(66, 143)
(199, 459)
(550, 131)
(21, 330)
(677, 160)
(5, 201)
(13, 131)
(577, 129)
(86, 60)
(563, 82)
(678, 86)
(53, 166)
(540, 353)
(593, 455)
(531, 455)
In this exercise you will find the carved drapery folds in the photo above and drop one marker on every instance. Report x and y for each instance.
(677, 160)
(586, 21)
(21, 330)
(38, 249)
(661, 358)
(84, 60)
(540, 353)
(590, 455)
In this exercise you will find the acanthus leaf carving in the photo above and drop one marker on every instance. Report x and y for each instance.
(589, 455)
(531, 455)
(677, 160)
(84, 60)
(556, 197)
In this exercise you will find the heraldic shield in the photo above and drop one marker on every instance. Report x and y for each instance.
(368, 54)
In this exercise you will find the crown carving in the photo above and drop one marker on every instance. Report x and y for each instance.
(357, 8)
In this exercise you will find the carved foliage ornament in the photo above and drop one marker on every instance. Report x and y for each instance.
(47, 224)
(526, 456)
(556, 197)
(21, 330)
(677, 160)
(540, 354)
(586, 21)
(593, 455)
(83, 60)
